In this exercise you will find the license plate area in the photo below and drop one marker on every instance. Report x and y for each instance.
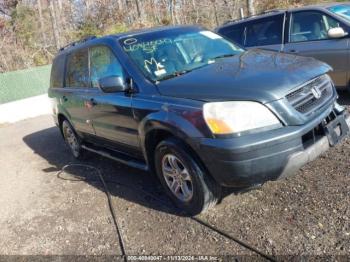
(336, 129)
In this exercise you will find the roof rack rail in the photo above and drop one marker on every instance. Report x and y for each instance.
(273, 11)
(262, 13)
(88, 38)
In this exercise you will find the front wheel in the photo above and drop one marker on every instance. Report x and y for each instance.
(183, 178)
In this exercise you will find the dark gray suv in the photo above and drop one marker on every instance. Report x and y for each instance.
(195, 109)
(320, 31)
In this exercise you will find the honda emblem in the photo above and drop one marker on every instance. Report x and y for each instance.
(316, 92)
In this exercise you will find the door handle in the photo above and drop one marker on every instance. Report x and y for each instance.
(93, 102)
(90, 103)
(293, 51)
(64, 98)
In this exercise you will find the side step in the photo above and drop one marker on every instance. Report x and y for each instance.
(117, 157)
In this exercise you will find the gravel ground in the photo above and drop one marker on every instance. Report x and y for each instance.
(307, 214)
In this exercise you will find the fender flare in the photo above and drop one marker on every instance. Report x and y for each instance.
(170, 122)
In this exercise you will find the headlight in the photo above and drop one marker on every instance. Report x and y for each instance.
(239, 116)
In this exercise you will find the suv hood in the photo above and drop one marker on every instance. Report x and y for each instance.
(255, 75)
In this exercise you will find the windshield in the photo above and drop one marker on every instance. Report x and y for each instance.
(341, 10)
(166, 54)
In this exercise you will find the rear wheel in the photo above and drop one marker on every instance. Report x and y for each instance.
(72, 140)
(183, 178)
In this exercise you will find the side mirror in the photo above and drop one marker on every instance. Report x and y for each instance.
(112, 84)
(336, 32)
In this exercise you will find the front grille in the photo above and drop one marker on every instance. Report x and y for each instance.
(311, 95)
(317, 132)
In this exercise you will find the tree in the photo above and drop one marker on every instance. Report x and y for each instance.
(41, 19)
(55, 29)
(251, 8)
(31, 31)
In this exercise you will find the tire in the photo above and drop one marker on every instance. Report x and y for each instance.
(195, 190)
(72, 140)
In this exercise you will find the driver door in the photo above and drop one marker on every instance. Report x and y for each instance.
(111, 113)
(308, 36)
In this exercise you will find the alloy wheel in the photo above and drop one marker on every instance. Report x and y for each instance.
(177, 177)
(72, 140)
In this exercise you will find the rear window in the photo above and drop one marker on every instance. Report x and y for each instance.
(259, 32)
(234, 33)
(77, 72)
(57, 72)
(267, 31)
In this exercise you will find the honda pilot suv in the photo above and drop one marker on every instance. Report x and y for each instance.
(194, 108)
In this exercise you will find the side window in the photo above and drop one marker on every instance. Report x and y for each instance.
(77, 72)
(267, 31)
(235, 33)
(310, 26)
(57, 72)
(103, 63)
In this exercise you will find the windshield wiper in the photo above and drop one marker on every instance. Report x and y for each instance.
(174, 74)
(179, 73)
(222, 56)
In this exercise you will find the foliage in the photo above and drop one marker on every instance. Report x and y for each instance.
(24, 23)
(115, 29)
(87, 28)
(31, 31)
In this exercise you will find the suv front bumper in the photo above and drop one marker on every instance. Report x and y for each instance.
(254, 159)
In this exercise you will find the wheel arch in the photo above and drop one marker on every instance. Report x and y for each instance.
(157, 131)
(161, 124)
(61, 117)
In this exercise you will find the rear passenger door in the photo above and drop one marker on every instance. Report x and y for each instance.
(76, 90)
(265, 33)
(308, 36)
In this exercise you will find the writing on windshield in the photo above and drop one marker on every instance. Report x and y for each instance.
(132, 44)
(161, 57)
